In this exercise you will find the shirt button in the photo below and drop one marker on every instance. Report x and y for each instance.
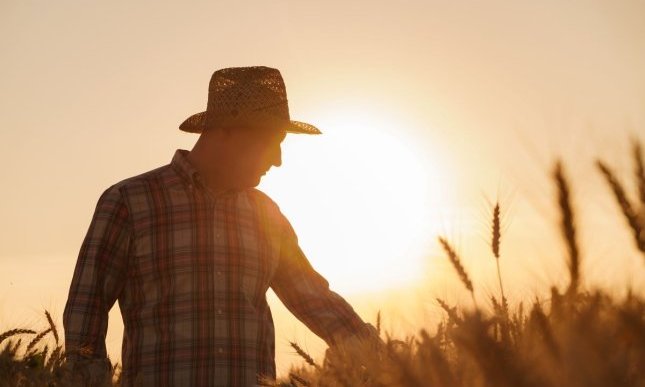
(219, 273)
(219, 311)
(220, 350)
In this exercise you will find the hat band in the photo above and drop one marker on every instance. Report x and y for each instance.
(276, 114)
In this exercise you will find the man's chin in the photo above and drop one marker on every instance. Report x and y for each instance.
(252, 182)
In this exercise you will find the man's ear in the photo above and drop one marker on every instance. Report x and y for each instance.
(220, 134)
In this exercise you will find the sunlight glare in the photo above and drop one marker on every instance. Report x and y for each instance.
(358, 197)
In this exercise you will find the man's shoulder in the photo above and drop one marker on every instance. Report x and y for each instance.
(159, 177)
(267, 204)
(262, 197)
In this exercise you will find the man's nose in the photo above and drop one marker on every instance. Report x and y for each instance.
(277, 158)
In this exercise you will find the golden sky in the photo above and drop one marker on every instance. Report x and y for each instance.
(428, 109)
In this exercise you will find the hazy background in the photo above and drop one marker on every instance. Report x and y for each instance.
(430, 110)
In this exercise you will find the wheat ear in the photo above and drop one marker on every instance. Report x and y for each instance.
(37, 339)
(625, 205)
(13, 332)
(295, 378)
(496, 239)
(459, 268)
(639, 171)
(567, 225)
(304, 355)
(452, 313)
(54, 358)
(378, 323)
(52, 326)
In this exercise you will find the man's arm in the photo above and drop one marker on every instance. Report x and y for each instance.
(307, 295)
(98, 280)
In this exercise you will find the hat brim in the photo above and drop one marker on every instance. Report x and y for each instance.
(197, 123)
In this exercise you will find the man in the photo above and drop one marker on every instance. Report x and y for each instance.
(190, 249)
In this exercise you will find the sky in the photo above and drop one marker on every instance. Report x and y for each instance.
(431, 110)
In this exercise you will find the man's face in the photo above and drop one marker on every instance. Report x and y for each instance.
(254, 151)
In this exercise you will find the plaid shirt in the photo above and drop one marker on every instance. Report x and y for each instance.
(190, 270)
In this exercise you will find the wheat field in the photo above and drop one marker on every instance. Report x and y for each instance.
(575, 337)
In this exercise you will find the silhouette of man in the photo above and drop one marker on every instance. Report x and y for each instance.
(190, 249)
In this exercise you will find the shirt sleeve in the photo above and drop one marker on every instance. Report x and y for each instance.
(307, 295)
(97, 282)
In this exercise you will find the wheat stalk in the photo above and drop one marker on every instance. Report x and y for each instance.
(52, 326)
(639, 171)
(13, 350)
(295, 378)
(54, 358)
(304, 355)
(495, 244)
(543, 327)
(496, 231)
(13, 332)
(497, 306)
(459, 268)
(625, 205)
(567, 225)
(452, 314)
(44, 353)
(378, 323)
(37, 339)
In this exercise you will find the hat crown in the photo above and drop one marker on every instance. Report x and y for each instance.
(239, 93)
(240, 96)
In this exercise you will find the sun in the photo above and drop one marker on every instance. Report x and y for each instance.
(359, 199)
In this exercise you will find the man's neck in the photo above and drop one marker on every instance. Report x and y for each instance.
(211, 169)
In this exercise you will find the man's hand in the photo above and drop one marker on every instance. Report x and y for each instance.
(355, 347)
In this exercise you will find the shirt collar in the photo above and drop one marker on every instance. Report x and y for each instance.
(191, 176)
(185, 169)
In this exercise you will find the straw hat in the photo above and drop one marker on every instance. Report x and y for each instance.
(246, 96)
